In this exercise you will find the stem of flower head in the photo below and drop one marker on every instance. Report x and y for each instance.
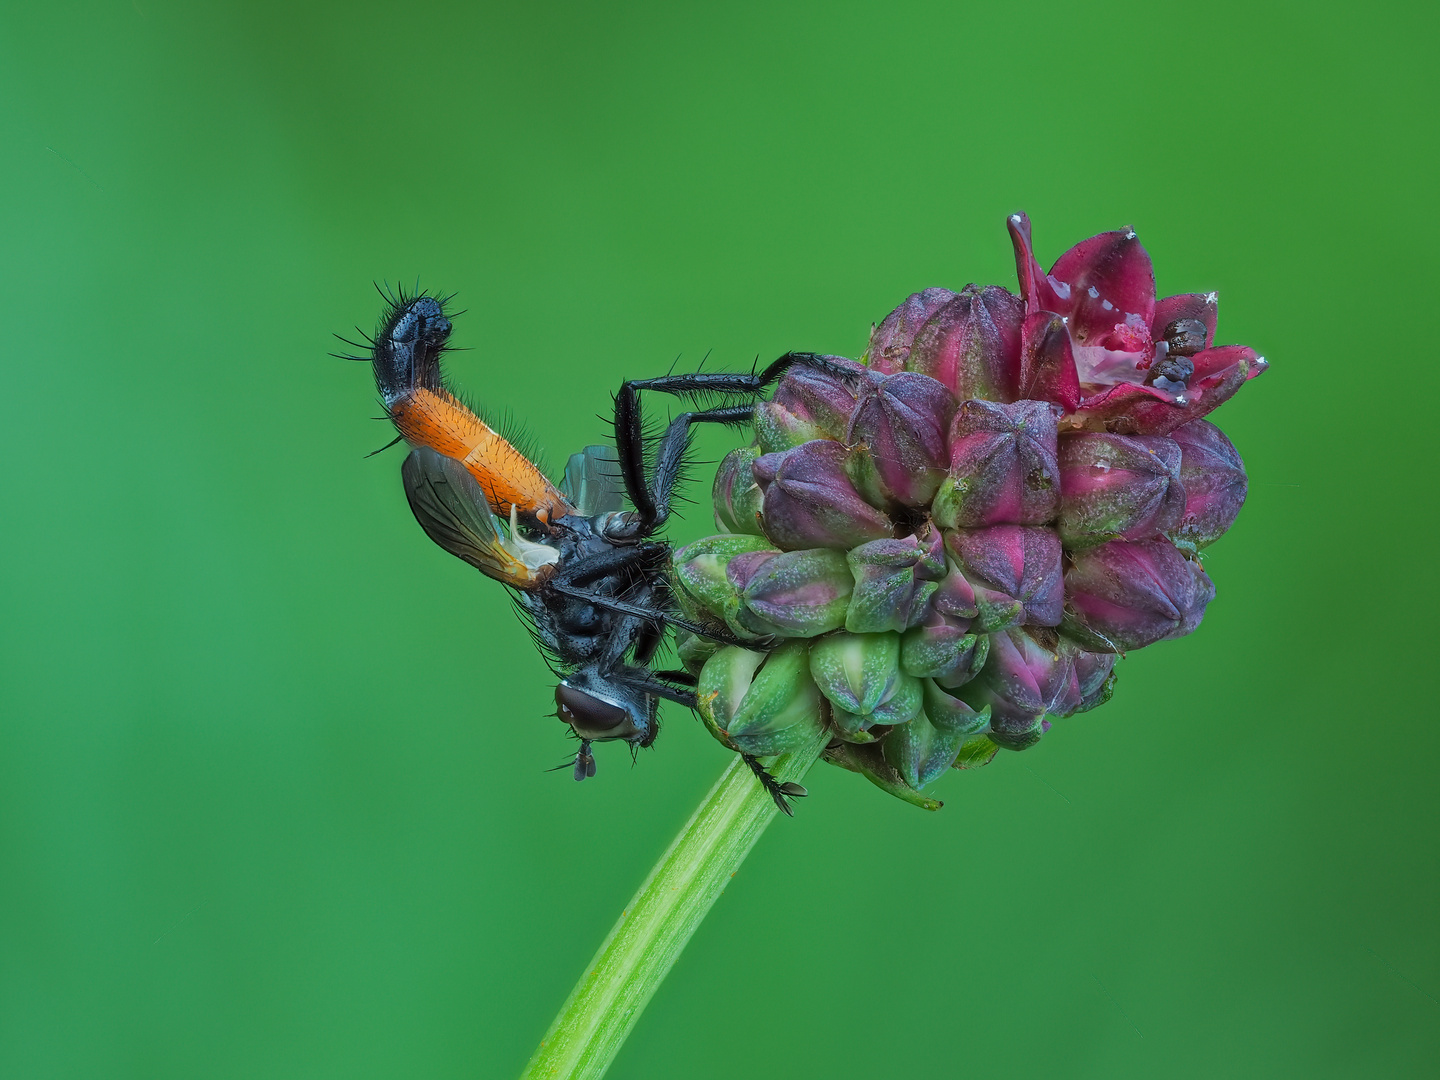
(655, 926)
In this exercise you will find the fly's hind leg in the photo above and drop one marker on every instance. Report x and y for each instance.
(652, 498)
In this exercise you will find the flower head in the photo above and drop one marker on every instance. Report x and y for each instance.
(953, 544)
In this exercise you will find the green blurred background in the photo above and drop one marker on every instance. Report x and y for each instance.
(272, 799)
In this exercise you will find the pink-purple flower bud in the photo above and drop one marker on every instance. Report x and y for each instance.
(1094, 678)
(902, 422)
(890, 342)
(816, 398)
(972, 344)
(1003, 467)
(1026, 676)
(956, 596)
(778, 429)
(1118, 487)
(1128, 594)
(1016, 573)
(1215, 485)
(810, 501)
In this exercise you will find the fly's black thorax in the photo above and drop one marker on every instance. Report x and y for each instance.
(578, 632)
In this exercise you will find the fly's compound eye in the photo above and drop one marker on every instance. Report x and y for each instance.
(590, 716)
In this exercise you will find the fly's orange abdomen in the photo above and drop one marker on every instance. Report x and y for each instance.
(438, 420)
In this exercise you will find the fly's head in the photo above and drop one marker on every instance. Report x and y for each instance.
(603, 711)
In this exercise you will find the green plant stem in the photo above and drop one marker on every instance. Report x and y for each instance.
(656, 924)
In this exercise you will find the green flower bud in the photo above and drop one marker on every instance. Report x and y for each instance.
(737, 496)
(796, 594)
(698, 570)
(694, 650)
(899, 707)
(891, 590)
(1021, 738)
(949, 713)
(760, 703)
(919, 751)
(940, 648)
(856, 671)
(976, 751)
(853, 727)
(860, 675)
(869, 762)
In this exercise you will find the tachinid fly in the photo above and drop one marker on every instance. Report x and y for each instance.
(590, 576)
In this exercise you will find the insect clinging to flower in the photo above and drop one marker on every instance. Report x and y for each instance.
(591, 577)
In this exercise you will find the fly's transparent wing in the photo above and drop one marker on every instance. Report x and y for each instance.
(592, 481)
(451, 507)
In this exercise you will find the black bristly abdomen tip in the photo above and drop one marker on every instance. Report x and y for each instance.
(423, 320)
(408, 345)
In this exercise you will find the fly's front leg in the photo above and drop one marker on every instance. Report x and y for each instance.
(670, 460)
(780, 793)
(649, 682)
(651, 498)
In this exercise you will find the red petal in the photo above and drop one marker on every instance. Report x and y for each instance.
(1186, 306)
(1215, 360)
(1035, 290)
(1141, 410)
(1047, 365)
(1112, 290)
